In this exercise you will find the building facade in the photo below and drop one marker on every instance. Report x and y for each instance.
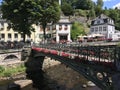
(7, 34)
(104, 25)
(63, 28)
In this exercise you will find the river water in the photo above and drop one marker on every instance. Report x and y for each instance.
(58, 77)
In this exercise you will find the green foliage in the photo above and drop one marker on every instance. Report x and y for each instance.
(100, 3)
(1, 69)
(11, 71)
(80, 12)
(77, 29)
(98, 7)
(106, 12)
(91, 14)
(67, 9)
(7, 74)
(20, 14)
(84, 4)
(48, 11)
(118, 44)
(115, 15)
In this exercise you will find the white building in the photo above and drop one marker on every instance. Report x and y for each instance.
(104, 25)
(63, 30)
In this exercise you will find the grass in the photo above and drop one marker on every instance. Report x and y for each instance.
(7, 72)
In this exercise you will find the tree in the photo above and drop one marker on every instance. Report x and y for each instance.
(84, 4)
(98, 8)
(67, 9)
(100, 3)
(20, 14)
(48, 11)
(77, 29)
(115, 15)
(106, 11)
(91, 13)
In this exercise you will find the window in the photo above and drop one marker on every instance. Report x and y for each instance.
(60, 27)
(41, 29)
(118, 35)
(66, 27)
(98, 22)
(8, 28)
(96, 29)
(104, 28)
(92, 29)
(9, 35)
(21, 36)
(100, 29)
(16, 35)
(2, 35)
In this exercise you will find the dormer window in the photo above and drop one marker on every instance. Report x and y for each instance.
(98, 22)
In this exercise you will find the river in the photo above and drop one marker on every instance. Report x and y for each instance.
(58, 77)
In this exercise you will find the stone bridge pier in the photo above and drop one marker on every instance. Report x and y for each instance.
(34, 70)
(35, 64)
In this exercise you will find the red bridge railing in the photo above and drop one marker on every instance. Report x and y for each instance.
(107, 55)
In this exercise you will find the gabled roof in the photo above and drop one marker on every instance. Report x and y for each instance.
(102, 16)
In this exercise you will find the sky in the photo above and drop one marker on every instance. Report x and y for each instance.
(107, 3)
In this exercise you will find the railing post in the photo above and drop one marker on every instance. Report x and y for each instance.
(78, 50)
(99, 51)
(87, 51)
(115, 58)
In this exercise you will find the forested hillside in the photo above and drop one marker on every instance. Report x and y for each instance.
(89, 10)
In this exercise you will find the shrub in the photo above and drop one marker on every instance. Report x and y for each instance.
(1, 69)
(11, 71)
(7, 74)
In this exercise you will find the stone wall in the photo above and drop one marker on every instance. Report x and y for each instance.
(49, 62)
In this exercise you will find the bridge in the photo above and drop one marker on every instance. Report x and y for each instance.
(9, 55)
(98, 63)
